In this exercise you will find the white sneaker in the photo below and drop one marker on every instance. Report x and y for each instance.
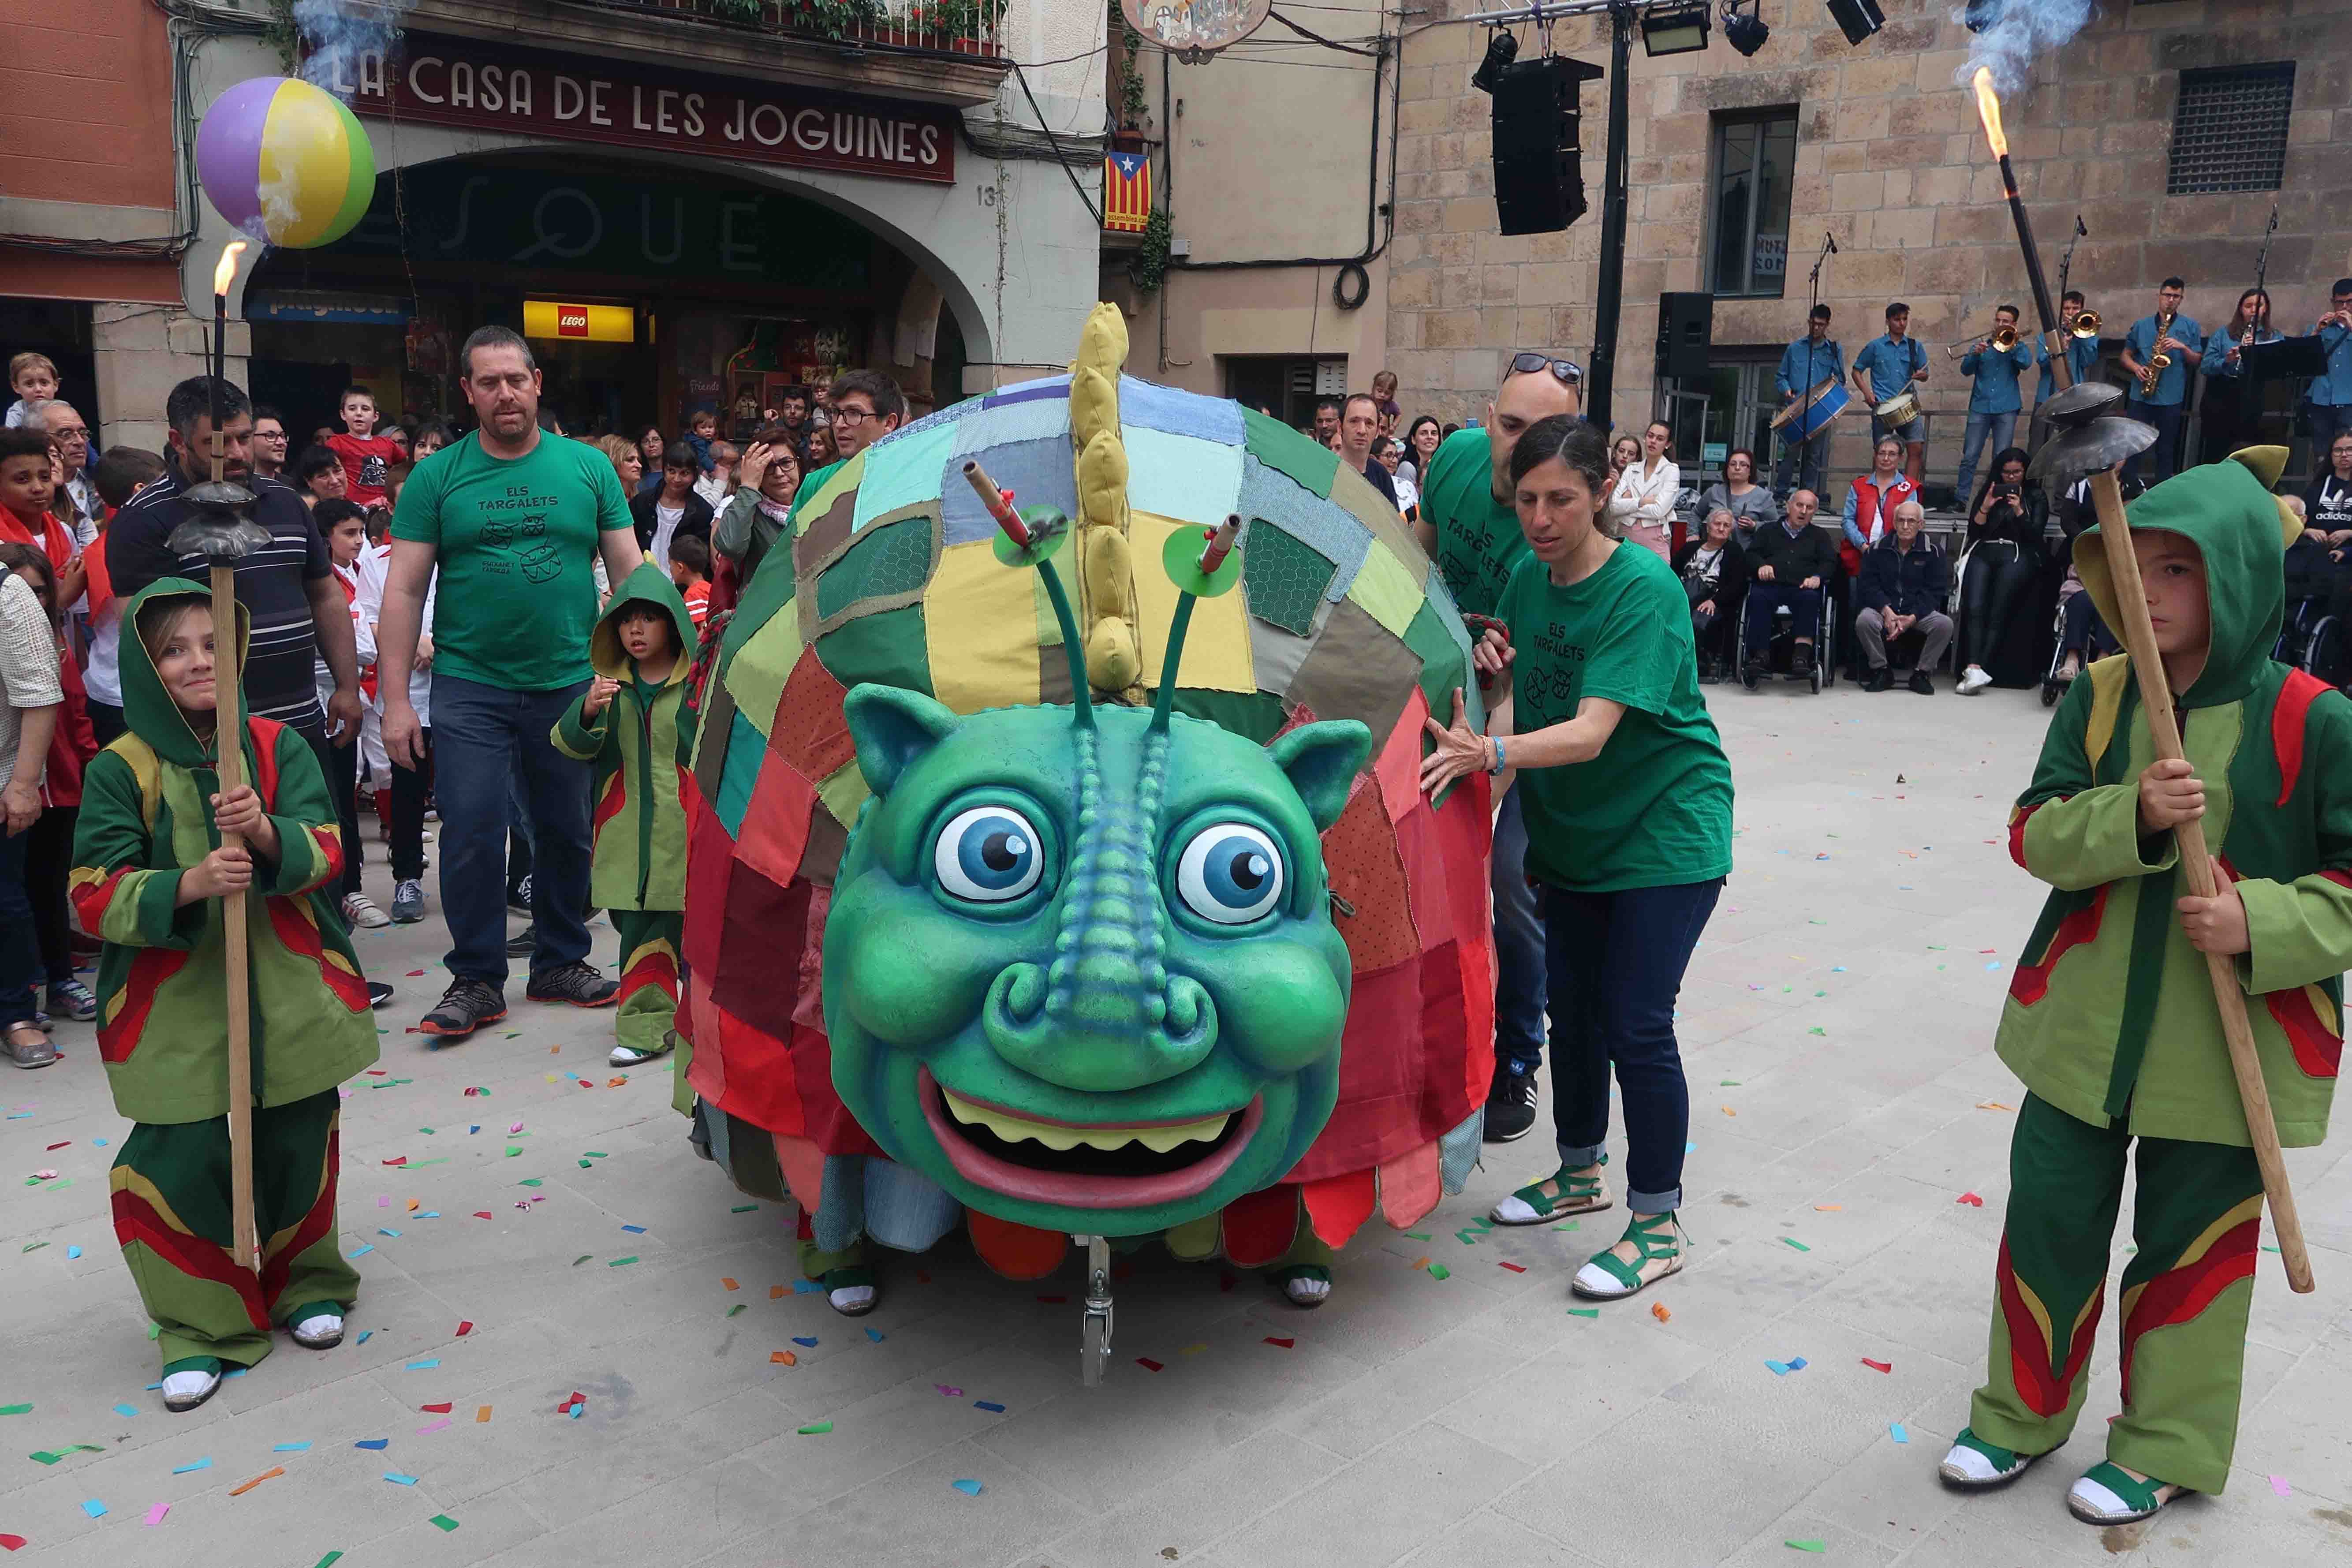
(361, 910)
(186, 1390)
(1974, 680)
(630, 1057)
(320, 1332)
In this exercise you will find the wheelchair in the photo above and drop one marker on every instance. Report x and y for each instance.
(1781, 642)
(2313, 641)
(2102, 643)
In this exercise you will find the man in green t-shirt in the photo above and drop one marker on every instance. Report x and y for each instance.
(1471, 530)
(513, 520)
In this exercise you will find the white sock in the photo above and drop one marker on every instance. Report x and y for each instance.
(1516, 1211)
(188, 1385)
(320, 1326)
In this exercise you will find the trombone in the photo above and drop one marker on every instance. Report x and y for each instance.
(2003, 341)
(2082, 324)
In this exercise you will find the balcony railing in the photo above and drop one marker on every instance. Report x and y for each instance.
(968, 27)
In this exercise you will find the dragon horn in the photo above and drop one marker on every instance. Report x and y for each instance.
(1207, 574)
(1032, 542)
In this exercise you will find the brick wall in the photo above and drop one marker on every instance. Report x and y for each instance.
(1891, 161)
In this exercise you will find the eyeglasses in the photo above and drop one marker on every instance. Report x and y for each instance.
(269, 434)
(1567, 372)
(71, 433)
(852, 415)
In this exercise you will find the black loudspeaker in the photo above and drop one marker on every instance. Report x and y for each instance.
(1685, 333)
(1539, 185)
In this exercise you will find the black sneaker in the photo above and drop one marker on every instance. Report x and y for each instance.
(518, 896)
(1510, 1102)
(465, 1008)
(1754, 671)
(580, 985)
(1800, 662)
(1881, 679)
(378, 993)
(1921, 684)
(523, 943)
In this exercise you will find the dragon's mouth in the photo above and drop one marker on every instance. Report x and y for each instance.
(1102, 1165)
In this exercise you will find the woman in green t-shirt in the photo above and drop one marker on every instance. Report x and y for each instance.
(1628, 803)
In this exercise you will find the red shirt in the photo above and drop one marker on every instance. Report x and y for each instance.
(698, 600)
(53, 541)
(364, 464)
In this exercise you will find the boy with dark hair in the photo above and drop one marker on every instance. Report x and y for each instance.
(689, 568)
(364, 455)
(27, 491)
(634, 728)
(2111, 1020)
(122, 473)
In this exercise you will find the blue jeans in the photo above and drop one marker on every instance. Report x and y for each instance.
(488, 743)
(2166, 418)
(1804, 464)
(20, 955)
(1616, 962)
(1997, 429)
(1519, 980)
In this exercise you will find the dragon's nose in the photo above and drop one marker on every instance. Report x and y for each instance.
(1113, 1026)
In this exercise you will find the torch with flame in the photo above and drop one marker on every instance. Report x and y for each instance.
(2092, 444)
(223, 273)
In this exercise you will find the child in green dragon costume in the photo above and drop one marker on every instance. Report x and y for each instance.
(150, 873)
(2111, 1021)
(633, 723)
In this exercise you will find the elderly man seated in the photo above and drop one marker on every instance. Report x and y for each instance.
(1789, 563)
(1903, 585)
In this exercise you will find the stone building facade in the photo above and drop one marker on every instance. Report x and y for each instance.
(1888, 157)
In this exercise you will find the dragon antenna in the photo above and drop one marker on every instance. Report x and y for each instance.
(1032, 539)
(1198, 572)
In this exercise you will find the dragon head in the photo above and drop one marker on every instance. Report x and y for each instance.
(1079, 967)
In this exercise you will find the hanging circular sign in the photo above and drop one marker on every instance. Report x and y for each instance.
(1192, 30)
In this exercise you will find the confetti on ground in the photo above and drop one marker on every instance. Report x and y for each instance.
(465, 1326)
(1805, 1545)
(743, 1208)
(378, 1444)
(815, 1429)
(423, 1365)
(203, 1464)
(1970, 1199)
(806, 1341)
(328, 1561)
(1584, 1311)
(271, 1474)
(1828, 1209)
(1800, 1245)
(1416, 1235)
(877, 1335)
(155, 1515)
(634, 1229)
(366, 1334)
(727, 1283)
(948, 1391)
(735, 1311)
(1514, 1268)
(290, 1448)
(1148, 1365)
(1993, 1105)
(72, 1253)
(775, 1292)
(1658, 1311)
(784, 1358)
(97, 1509)
(1885, 1366)
(1285, 1343)
(1194, 1349)
(621, 1262)
(988, 1404)
(969, 1488)
(397, 1478)
(16, 1410)
(1438, 1271)
(1895, 1430)
(381, 1231)
(444, 1521)
(126, 1410)
(440, 1425)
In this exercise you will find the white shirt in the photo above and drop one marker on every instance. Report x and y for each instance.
(372, 566)
(666, 521)
(1643, 504)
(714, 487)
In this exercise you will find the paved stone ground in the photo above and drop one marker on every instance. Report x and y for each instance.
(1841, 992)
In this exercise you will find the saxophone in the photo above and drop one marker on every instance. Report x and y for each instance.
(2159, 362)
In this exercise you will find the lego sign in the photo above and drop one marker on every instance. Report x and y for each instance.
(478, 85)
(579, 323)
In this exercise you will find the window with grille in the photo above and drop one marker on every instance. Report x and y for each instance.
(2229, 130)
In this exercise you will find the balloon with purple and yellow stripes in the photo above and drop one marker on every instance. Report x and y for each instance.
(286, 163)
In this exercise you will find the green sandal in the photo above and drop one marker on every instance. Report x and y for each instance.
(849, 1291)
(1658, 1240)
(1973, 1462)
(2107, 1494)
(1307, 1274)
(1574, 1195)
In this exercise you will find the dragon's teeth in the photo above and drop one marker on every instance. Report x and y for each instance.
(1014, 1129)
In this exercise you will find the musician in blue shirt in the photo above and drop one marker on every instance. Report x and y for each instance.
(2231, 415)
(2185, 346)
(1888, 366)
(2331, 393)
(2082, 358)
(1993, 401)
(1805, 364)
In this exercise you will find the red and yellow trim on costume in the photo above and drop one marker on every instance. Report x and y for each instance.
(280, 1253)
(296, 924)
(2289, 716)
(2220, 1257)
(143, 1214)
(2046, 1385)
(2031, 981)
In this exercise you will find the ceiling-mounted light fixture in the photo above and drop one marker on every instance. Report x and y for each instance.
(1502, 49)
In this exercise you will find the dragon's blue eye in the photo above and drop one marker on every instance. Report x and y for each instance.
(988, 854)
(1230, 873)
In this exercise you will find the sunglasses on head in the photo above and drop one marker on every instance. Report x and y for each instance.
(1566, 371)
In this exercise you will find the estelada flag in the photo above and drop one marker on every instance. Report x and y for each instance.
(1127, 191)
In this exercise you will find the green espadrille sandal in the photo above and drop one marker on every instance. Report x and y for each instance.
(2107, 1494)
(1973, 1462)
(1308, 1285)
(1556, 1196)
(1658, 1241)
(849, 1291)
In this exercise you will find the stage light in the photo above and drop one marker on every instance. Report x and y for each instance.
(1744, 30)
(1981, 15)
(1502, 49)
(1670, 28)
(1857, 18)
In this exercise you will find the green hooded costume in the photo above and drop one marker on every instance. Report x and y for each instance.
(162, 1027)
(2111, 1021)
(640, 746)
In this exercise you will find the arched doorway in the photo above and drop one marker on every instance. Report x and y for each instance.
(649, 291)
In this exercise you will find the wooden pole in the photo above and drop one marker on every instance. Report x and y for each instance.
(228, 741)
(2197, 862)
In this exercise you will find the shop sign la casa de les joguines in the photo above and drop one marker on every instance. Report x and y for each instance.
(476, 86)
